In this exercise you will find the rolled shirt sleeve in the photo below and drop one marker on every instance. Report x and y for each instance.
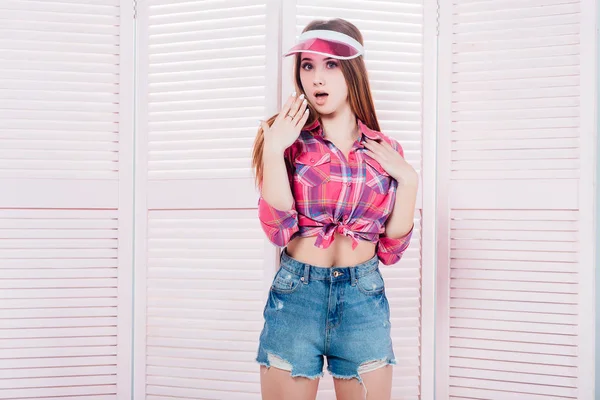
(390, 250)
(278, 225)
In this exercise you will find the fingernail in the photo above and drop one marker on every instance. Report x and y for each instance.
(294, 93)
(302, 96)
(304, 101)
(259, 122)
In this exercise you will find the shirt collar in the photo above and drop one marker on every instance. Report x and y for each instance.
(315, 129)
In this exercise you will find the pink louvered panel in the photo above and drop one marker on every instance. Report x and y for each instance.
(514, 223)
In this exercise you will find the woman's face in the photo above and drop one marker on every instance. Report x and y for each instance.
(323, 74)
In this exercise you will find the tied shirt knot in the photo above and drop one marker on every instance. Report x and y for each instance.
(325, 237)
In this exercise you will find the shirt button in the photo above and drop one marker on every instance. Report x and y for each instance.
(312, 160)
(348, 183)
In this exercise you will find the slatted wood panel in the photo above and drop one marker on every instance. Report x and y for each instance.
(517, 84)
(203, 87)
(206, 85)
(514, 304)
(515, 248)
(403, 283)
(58, 308)
(65, 178)
(205, 303)
(59, 109)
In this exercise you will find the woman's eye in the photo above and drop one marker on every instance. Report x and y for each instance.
(331, 64)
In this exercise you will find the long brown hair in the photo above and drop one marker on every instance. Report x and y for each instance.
(359, 90)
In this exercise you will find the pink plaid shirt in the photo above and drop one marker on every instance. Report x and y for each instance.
(353, 197)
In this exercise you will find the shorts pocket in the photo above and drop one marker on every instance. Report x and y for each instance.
(313, 168)
(371, 284)
(376, 178)
(285, 282)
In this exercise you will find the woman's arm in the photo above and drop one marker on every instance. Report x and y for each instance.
(399, 225)
(276, 206)
(391, 158)
(276, 183)
(401, 220)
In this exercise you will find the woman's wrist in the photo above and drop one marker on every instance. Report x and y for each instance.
(409, 180)
(273, 149)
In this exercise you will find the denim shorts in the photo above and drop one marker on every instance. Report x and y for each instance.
(341, 313)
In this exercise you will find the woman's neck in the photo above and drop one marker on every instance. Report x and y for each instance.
(340, 126)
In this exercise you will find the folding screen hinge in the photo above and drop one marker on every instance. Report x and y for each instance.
(437, 18)
(134, 9)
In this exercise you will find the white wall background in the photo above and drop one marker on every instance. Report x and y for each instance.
(125, 167)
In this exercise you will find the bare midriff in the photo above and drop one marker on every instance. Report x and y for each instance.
(338, 254)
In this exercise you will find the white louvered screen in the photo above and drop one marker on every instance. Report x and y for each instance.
(205, 80)
(205, 304)
(515, 260)
(60, 65)
(58, 309)
(394, 52)
(66, 184)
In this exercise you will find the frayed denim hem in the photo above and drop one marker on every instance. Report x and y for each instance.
(293, 374)
(384, 363)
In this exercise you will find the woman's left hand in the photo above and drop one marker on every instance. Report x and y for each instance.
(391, 161)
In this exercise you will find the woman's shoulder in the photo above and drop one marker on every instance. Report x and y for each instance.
(379, 136)
(393, 142)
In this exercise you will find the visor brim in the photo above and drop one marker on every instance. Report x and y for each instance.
(325, 47)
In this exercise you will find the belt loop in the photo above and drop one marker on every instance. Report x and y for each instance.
(353, 276)
(306, 274)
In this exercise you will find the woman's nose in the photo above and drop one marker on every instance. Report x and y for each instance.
(318, 78)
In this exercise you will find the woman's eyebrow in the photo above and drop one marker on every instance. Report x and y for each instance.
(310, 59)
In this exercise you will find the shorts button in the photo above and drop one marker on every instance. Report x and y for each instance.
(336, 274)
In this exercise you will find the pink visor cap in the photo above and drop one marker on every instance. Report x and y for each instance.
(327, 43)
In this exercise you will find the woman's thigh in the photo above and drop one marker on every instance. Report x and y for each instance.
(377, 386)
(277, 384)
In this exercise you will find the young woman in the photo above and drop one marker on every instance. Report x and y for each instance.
(339, 196)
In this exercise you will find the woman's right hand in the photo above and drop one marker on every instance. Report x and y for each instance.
(287, 125)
